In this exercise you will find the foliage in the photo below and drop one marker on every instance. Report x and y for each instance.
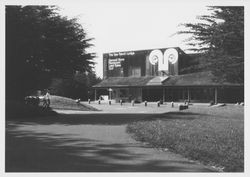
(80, 86)
(214, 136)
(194, 64)
(220, 37)
(40, 45)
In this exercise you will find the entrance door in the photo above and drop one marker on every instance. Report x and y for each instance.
(152, 94)
(128, 94)
(135, 94)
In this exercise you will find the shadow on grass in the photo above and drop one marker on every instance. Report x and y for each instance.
(16, 110)
(175, 116)
(102, 119)
(92, 119)
(54, 153)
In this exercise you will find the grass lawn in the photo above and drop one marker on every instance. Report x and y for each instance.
(58, 102)
(213, 136)
(17, 109)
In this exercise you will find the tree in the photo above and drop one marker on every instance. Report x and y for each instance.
(40, 45)
(80, 86)
(220, 37)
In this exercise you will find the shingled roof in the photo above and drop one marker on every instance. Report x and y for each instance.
(196, 79)
(124, 82)
(192, 79)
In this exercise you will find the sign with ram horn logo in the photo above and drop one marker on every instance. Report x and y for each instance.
(155, 56)
(163, 64)
(171, 55)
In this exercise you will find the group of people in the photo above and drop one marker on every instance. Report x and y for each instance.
(35, 100)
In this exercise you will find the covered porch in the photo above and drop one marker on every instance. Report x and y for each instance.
(195, 87)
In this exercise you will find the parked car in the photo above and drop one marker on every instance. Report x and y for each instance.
(34, 98)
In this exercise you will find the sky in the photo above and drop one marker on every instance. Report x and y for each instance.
(132, 25)
(124, 25)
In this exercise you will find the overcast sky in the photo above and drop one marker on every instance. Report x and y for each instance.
(120, 25)
(132, 25)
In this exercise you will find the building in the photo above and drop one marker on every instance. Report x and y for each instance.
(157, 75)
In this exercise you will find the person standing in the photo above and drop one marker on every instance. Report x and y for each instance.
(47, 99)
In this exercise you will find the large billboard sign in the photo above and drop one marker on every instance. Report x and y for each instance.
(155, 56)
(164, 61)
(120, 54)
(116, 59)
(124, 64)
(141, 63)
(171, 55)
(115, 63)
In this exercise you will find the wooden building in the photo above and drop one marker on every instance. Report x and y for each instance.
(154, 75)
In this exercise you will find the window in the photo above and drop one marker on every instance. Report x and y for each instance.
(135, 71)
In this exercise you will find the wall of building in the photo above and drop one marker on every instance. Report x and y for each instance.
(138, 64)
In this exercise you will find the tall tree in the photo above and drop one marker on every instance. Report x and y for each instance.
(80, 86)
(41, 44)
(220, 37)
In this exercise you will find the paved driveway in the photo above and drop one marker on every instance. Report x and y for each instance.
(81, 142)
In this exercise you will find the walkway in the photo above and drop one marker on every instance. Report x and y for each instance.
(81, 142)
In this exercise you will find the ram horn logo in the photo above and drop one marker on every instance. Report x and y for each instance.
(171, 55)
(155, 56)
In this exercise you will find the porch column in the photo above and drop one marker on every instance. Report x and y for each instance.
(147, 94)
(95, 94)
(188, 95)
(183, 94)
(215, 95)
(110, 93)
(163, 95)
(140, 94)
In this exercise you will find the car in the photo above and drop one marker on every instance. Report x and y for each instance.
(34, 99)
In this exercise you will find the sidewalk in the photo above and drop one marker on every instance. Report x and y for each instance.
(87, 143)
(127, 108)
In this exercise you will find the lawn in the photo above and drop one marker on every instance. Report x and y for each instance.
(17, 109)
(211, 135)
(58, 102)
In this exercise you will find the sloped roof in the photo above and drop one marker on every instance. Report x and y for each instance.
(196, 79)
(193, 79)
(124, 81)
(158, 80)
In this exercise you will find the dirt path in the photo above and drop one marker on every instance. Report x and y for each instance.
(86, 143)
